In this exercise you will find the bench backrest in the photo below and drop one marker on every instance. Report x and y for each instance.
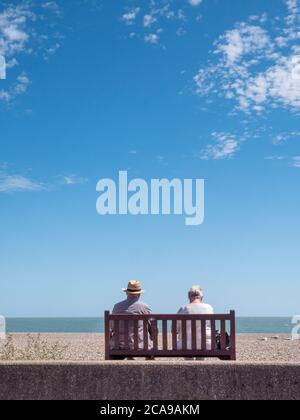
(201, 336)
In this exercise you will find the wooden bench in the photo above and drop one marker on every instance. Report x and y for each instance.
(165, 336)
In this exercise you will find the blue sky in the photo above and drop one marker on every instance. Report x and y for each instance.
(169, 89)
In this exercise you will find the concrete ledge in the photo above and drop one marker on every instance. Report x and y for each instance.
(149, 381)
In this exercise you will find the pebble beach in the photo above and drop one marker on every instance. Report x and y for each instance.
(90, 347)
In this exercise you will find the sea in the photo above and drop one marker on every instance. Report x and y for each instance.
(96, 325)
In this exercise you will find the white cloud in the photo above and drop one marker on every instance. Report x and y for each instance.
(18, 183)
(274, 158)
(260, 19)
(224, 146)
(283, 84)
(245, 39)
(12, 181)
(53, 6)
(149, 20)
(130, 17)
(282, 138)
(155, 13)
(18, 88)
(195, 2)
(12, 63)
(292, 6)
(256, 68)
(52, 50)
(72, 180)
(14, 30)
(152, 38)
(293, 17)
(21, 33)
(160, 158)
(14, 35)
(296, 162)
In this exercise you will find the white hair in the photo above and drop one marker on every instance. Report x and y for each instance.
(196, 292)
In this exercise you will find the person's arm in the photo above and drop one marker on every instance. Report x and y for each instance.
(111, 326)
(181, 311)
(211, 309)
(148, 311)
(150, 331)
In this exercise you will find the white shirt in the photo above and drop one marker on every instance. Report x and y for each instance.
(195, 309)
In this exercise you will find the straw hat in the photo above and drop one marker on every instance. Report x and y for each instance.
(134, 288)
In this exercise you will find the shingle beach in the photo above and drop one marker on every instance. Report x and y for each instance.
(90, 347)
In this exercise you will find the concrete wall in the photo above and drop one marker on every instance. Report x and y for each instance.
(151, 380)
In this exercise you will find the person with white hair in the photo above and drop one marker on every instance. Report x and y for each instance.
(195, 307)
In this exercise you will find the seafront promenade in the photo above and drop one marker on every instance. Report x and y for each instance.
(149, 381)
(268, 367)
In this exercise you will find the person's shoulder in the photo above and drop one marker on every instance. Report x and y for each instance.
(183, 310)
(209, 308)
(122, 302)
(119, 305)
(144, 306)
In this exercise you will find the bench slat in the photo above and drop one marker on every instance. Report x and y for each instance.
(213, 336)
(165, 334)
(184, 335)
(203, 335)
(233, 335)
(107, 335)
(194, 334)
(172, 317)
(171, 353)
(126, 334)
(136, 335)
(145, 328)
(223, 335)
(117, 334)
(155, 334)
(174, 335)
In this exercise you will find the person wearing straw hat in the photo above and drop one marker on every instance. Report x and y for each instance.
(134, 288)
(132, 305)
